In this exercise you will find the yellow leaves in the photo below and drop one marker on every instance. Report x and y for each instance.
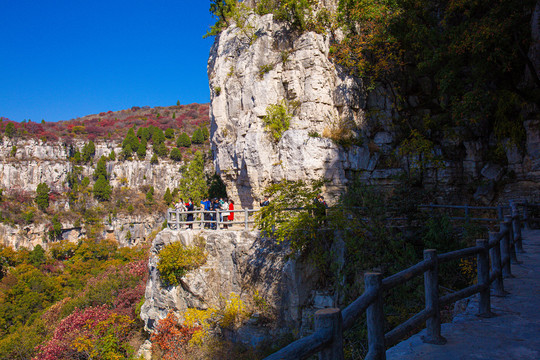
(235, 312)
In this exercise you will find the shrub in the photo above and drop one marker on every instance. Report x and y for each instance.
(277, 120)
(176, 154)
(175, 260)
(88, 151)
(197, 137)
(154, 160)
(10, 130)
(169, 133)
(183, 140)
(168, 197)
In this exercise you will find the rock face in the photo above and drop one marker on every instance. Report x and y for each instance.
(36, 162)
(126, 230)
(264, 64)
(239, 262)
(247, 76)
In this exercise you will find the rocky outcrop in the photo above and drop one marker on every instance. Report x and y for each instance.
(265, 63)
(125, 229)
(238, 262)
(248, 72)
(36, 162)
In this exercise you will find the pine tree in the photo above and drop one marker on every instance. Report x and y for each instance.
(169, 133)
(167, 197)
(101, 168)
(112, 155)
(10, 130)
(176, 154)
(197, 137)
(154, 160)
(193, 183)
(102, 189)
(141, 151)
(88, 151)
(183, 140)
(131, 141)
(150, 196)
(42, 196)
(205, 133)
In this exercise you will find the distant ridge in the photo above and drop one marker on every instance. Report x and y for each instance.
(113, 125)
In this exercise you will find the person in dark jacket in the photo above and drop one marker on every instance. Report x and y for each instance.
(189, 207)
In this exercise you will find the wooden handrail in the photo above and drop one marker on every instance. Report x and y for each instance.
(497, 252)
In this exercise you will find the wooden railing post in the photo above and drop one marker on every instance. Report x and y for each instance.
(516, 226)
(375, 318)
(500, 214)
(512, 245)
(431, 285)
(505, 249)
(495, 254)
(526, 223)
(331, 320)
(482, 259)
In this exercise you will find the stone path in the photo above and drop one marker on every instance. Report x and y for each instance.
(513, 334)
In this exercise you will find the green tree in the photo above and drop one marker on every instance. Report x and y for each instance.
(216, 187)
(10, 130)
(154, 160)
(277, 120)
(131, 141)
(160, 149)
(168, 197)
(55, 229)
(150, 196)
(112, 155)
(157, 135)
(193, 183)
(183, 140)
(176, 154)
(141, 151)
(101, 168)
(144, 133)
(13, 151)
(205, 133)
(42, 196)
(88, 151)
(197, 137)
(169, 133)
(222, 11)
(102, 189)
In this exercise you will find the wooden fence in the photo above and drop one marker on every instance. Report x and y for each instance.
(494, 259)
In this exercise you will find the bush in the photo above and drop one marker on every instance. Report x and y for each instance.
(176, 154)
(169, 133)
(197, 137)
(183, 140)
(154, 160)
(277, 120)
(175, 260)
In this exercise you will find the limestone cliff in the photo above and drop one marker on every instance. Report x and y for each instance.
(266, 63)
(36, 162)
(238, 261)
(246, 76)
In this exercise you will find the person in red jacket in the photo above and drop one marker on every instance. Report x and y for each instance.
(231, 208)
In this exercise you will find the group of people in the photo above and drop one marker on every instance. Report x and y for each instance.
(209, 207)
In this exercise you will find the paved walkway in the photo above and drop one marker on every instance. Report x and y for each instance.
(513, 334)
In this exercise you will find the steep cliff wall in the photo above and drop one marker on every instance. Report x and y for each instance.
(36, 162)
(265, 63)
(247, 76)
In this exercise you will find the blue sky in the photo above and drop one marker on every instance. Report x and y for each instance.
(62, 59)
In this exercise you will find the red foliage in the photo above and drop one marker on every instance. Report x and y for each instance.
(171, 337)
(72, 327)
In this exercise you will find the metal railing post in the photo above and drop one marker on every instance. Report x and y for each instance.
(467, 214)
(482, 260)
(375, 318)
(218, 219)
(246, 216)
(495, 254)
(331, 320)
(431, 285)
(500, 214)
(177, 219)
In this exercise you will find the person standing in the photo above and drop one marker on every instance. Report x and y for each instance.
(189, 207)
(231, 210)
(265, 202)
